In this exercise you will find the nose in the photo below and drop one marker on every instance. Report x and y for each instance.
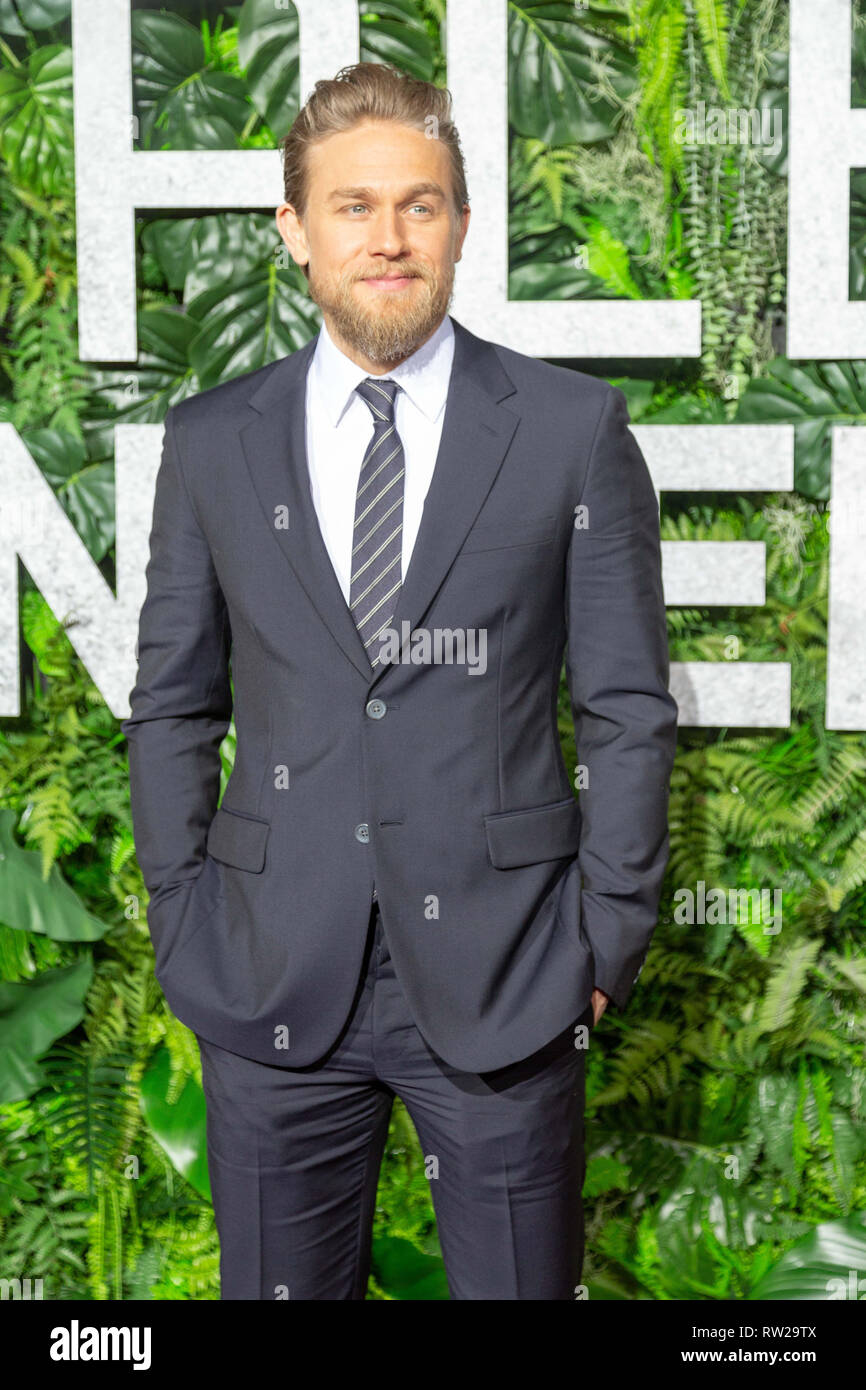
(387, 234)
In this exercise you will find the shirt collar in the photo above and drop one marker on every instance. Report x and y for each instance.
(424, 376)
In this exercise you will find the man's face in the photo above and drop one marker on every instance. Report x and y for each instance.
(380, 236)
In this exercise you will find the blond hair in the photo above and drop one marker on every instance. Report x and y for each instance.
(369, 92)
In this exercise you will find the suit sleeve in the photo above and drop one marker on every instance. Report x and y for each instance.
(181, 703)
(625, 719)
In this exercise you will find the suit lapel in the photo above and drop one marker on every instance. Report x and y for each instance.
(476, 433)
(275, 448)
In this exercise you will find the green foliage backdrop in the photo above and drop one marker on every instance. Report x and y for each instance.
(726, 1152)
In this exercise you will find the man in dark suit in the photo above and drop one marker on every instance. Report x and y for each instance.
(394, 534)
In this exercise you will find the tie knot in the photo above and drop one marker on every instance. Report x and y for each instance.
(379, 395)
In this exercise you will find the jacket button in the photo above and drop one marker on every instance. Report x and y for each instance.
(376, 708)
(362, 832)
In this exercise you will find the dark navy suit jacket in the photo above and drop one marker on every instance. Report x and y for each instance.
(504, 898)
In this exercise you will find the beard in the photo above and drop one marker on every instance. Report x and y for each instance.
(390, 326)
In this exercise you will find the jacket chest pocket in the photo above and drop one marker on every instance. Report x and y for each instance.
(506, 535)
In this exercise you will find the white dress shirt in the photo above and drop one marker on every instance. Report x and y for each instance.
(339, 427)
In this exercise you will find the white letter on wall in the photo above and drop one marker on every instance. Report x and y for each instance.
(112, 179)
(827, 139)
(846, 642)
(34, 527)
(726, 458)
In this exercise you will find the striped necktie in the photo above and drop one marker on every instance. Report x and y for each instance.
(377, 540)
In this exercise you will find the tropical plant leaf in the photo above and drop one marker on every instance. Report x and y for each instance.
(824, 1266)
(556, 280)
(706, 1195)
(85, 490)
(772, 1113)
(163, 376)
(30, 902)
(405, 1272)
(689, 410)
(9, 21)
(605, 1174)
(36, 121)
(608, 259)
(786, 985)
(857, 236)
(255, 320)
(268, 52)
(183, 101)
(659, 59)
(179, 1125)
(86, 1105)
(554, 65)
(394, 31)
(813, 397)
(32, 1017)
(712, 21)
(772, 104)
(198, 253)
(43, 14)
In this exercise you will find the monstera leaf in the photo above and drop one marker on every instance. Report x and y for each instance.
(857, 247)
(252, 322)
(198, 253)
(9, 21)
(162, 377)
(543, 261)
(32, 1017)
(813, 398)
(35, 14)
(393, 31)
(36, 121)
(268, 55)
(828, 1265)
(555, 60)
(29, 902)
(183, 101)
(178, 1125)
(42, 14)
(85, 490)
(556, 280)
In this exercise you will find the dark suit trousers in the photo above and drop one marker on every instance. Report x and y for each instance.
(294, 1157)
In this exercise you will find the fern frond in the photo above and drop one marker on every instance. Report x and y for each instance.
(786, 985)
(712, 21)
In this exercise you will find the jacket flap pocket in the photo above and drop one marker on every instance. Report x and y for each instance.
(238, 840)
(530, 837)
(491, 535)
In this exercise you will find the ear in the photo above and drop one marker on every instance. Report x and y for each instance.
(464, 228)
(291, 231)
